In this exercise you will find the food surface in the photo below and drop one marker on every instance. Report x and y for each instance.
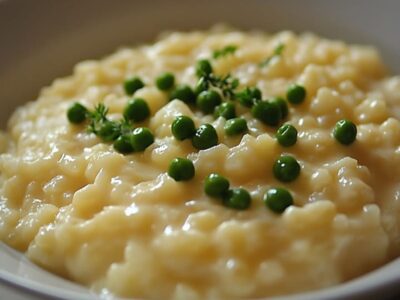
(209, 165)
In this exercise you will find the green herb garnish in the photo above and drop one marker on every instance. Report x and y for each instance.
(227, 84)
(121, 133)
(97, 117)
(277, 52)
(227, 50)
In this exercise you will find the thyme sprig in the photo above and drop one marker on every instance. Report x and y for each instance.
(227, 50)
(97, 117)
(277, 52)
(227, 84)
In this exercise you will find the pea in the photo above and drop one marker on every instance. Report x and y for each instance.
(137, 110)
(345, 132)
(267, 112)
(235, 126)
(296, 93)
(181, 169)
(205, 137)
(225, 110)
(278, 199)
(282, 105)
(165, 81)
(208, 100)
(216, 185)
(184, 93)
(141, 138)
(286, 135)
(77, 113)
(183, 128)
(123, 144)
(131, 85)
(286, 168)
(237, 198)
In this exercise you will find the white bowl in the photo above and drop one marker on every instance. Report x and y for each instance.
(42, 40)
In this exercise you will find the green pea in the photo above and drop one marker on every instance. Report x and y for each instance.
(345, 132)
(216, 185)
(184, 93)
(183, 128)
(235, 126)
(296, 93)
(123, 144)
(203, 68)
(205, 137)
(267, 112)
(237, 198)
(77, 113)
(108, 131)
(278, 199)
(286, 135)
(225, 110)
(137, 110)
(282, 105)
(208, 100)
(131, 85)
(141, 138)
(181, 169)
(286, 168)
(165, 81)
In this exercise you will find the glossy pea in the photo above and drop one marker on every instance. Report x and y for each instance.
(345, 132)
(165, 81)
(141, 138)
(205, 137)
(267, 112)
(131, 85)
(278, 199)
(237, 198)
(235, 126)
(183, 128)
(208, 100)
(216, 185)
(286, 168)
(296, 93)
(123, 144)
(286, 135)
(137, 110)
(226, 110)
(282, 105)
(184, 93)
(77, 113)
(181, 169)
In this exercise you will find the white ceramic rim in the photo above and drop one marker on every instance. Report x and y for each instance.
(383, 281)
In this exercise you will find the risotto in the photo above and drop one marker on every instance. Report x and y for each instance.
(209, 165)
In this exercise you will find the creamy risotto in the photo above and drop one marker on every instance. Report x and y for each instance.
(121, 220)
